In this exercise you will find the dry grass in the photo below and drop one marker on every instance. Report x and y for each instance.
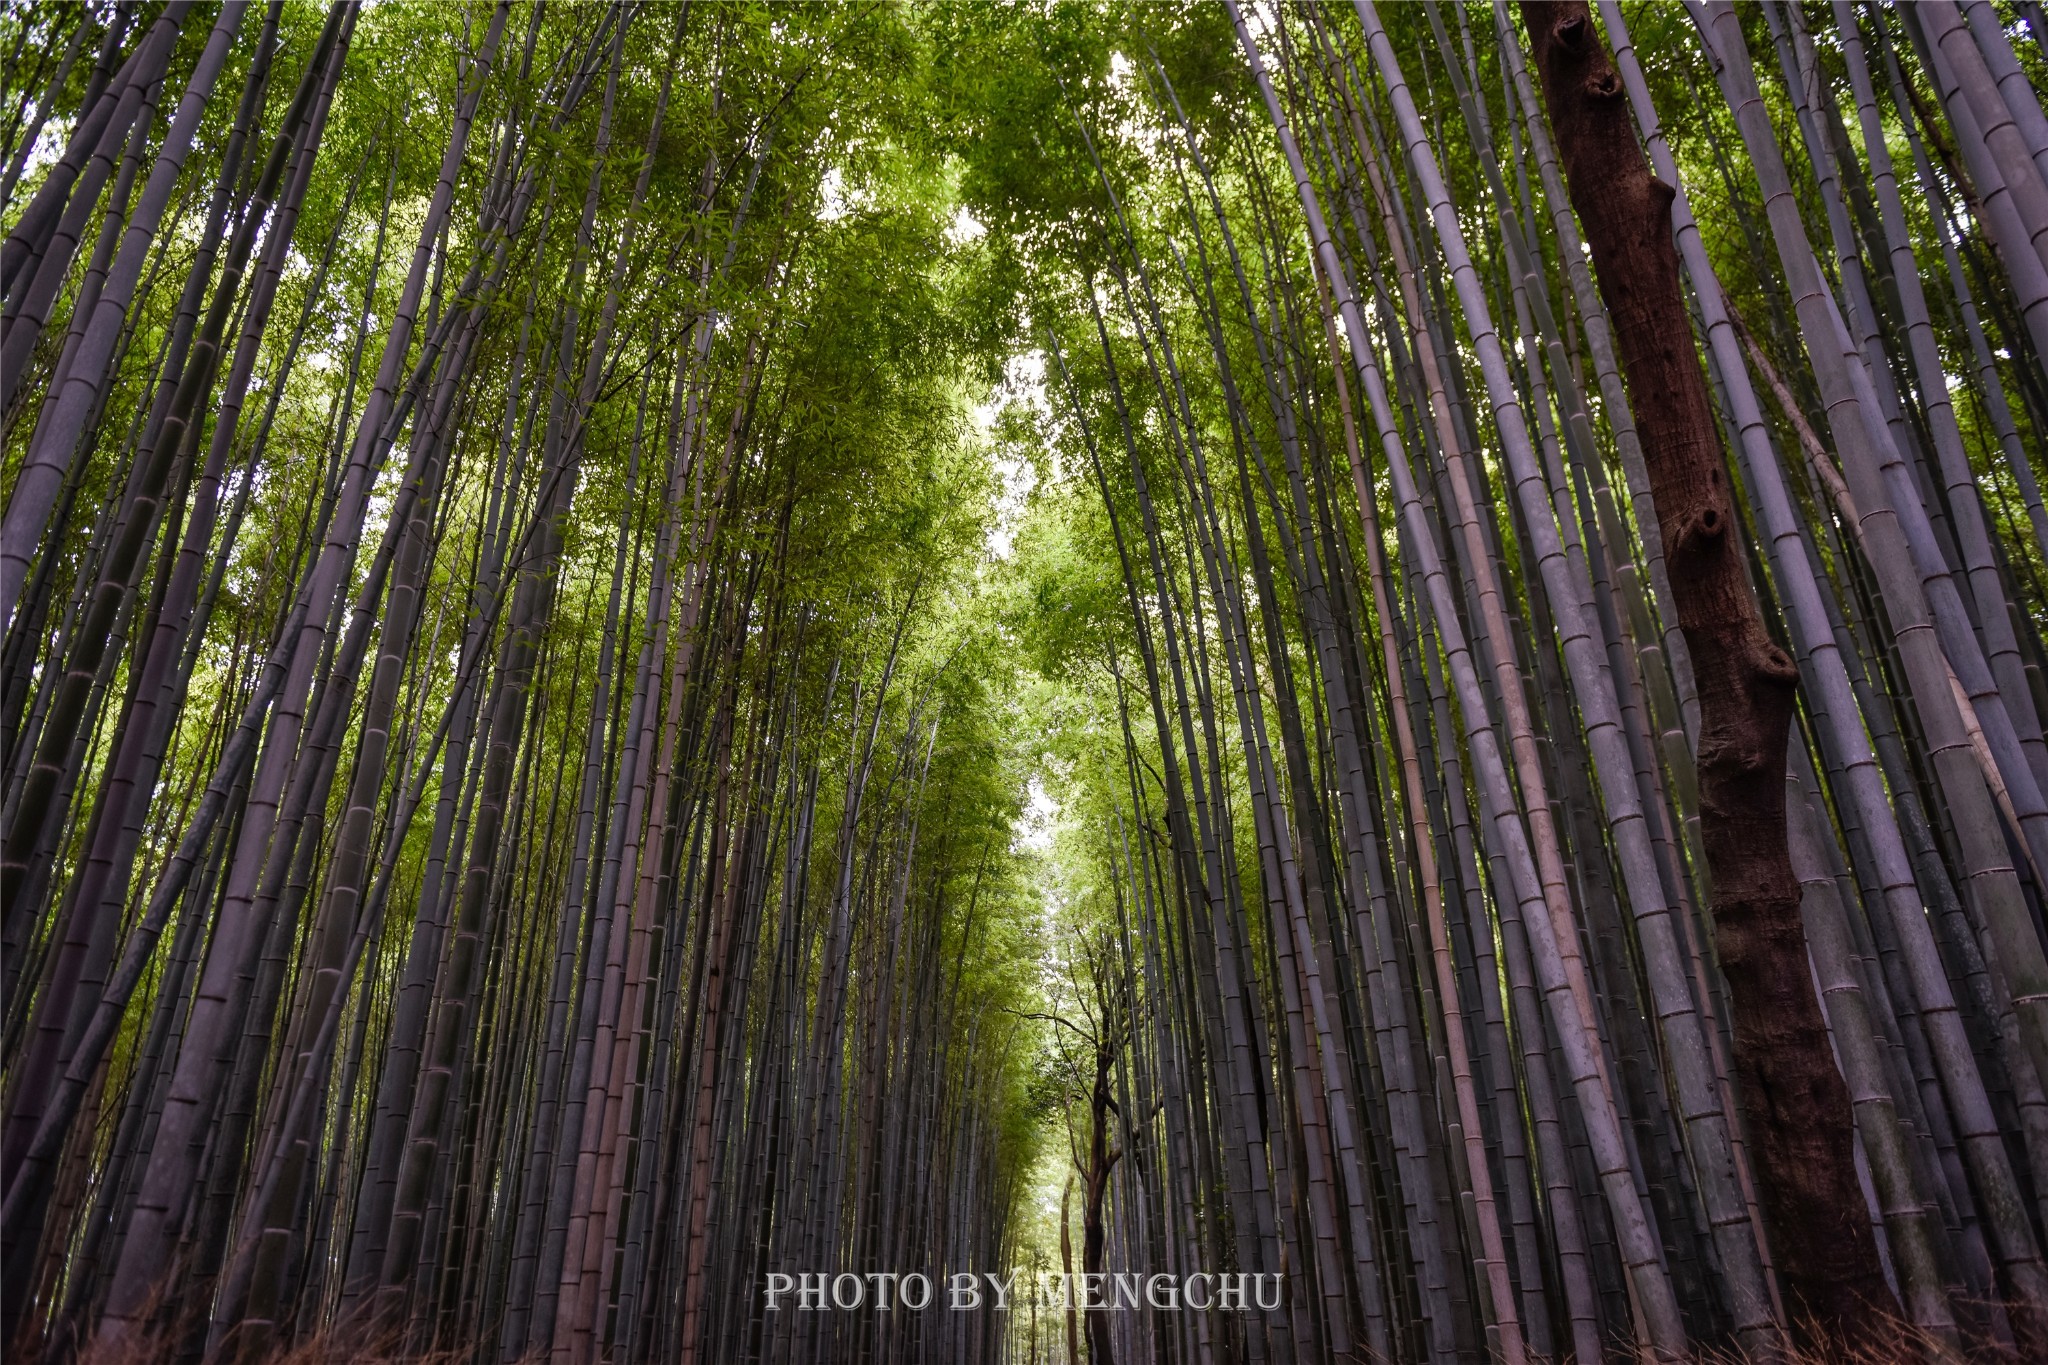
(1896, 1342)
(1892, 1341)
(332, 1345)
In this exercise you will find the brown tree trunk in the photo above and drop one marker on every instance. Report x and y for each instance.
(1794, 1100)
(1067, 1268)
(1102, 1159)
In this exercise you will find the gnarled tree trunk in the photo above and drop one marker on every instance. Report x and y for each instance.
(1794, 1099)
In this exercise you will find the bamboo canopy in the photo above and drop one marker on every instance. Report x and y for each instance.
(672, 667)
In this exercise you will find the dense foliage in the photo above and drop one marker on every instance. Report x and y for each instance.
(655, 645)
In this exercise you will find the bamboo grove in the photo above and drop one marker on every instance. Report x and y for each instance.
(1396, 648)
(492, 795)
